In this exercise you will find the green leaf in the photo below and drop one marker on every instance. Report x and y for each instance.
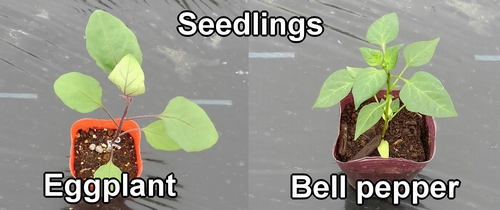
(78, 91)
(383, 30)
(395, 105)
(108, 170)
(368, 82)
(391, 57)
(372, 57)
(188, 125)
(368, 116)
(425, 94)
(128, 76)
(335, 88)
(353, 71)
(383, 149)
(108, 39)
(420, 53)
(157, 137)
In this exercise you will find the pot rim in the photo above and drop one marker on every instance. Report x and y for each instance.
(106, 123)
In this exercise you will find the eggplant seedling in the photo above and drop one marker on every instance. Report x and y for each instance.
(114, 47)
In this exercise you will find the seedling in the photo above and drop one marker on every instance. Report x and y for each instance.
(182, 125)
(422, 93)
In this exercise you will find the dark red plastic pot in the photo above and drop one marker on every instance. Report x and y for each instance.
(87, 123)
(377, 168)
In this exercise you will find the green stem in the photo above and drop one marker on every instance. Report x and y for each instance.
(400, 108)
(400, 76)
(388, 103)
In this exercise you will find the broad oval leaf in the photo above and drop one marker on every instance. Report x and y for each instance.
(108, 39)
(372, 57)
(368, 116)
(353, 71)
(391, 57)
(335, 88)
(383, 30)
(188, 125)
(420, 53)
(108, 170)
(128, 76)
(383, 149)
(368, 82)
(157, 137)
(78, 91)
(425, 94)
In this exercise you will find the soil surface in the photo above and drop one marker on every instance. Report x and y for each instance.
(407, 136)
(88, 160)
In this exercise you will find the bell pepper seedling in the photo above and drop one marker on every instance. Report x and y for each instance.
(422, 93)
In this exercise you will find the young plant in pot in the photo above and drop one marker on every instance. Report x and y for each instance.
(106, 148)
(386, 132)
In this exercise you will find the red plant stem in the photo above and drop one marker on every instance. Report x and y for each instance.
(111, 155)
(127, 104)
(143, 116)
(135, 129)
(109, 114)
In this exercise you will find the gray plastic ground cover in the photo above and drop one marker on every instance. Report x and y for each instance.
(268, 130)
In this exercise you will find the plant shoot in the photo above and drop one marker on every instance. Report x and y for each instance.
(114, 47)
(421, 93)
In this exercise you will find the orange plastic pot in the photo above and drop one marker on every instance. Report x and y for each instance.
(377, 168)
(87, 123)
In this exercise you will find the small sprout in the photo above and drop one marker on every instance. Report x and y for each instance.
(86, 141)
(94, 136)
(81, 163)
(105, 129)
(77, 135)
(92, 147)
(99, 149)
(103, 145)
